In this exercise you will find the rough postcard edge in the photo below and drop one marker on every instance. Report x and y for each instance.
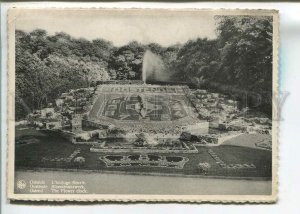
(11, 17)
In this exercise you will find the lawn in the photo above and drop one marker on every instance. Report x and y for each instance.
(52, 146)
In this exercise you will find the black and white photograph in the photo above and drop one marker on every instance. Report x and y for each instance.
(142, 105)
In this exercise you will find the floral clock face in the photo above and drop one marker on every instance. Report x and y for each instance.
(139, 107)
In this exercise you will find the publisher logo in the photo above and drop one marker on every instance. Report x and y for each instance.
(21, 184)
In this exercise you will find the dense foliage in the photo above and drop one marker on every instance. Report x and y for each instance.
(239, 60)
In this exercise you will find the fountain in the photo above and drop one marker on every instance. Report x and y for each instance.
(144, 76)
(153, 67)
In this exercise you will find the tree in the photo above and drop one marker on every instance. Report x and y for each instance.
(126, 61)
(246, 54)
(195, 57)
(47, 66)
(246, 48)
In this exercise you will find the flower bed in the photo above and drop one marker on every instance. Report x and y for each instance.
(67, 160)
(120, 149)
(264, 145)
(144, 160)
(224, 165)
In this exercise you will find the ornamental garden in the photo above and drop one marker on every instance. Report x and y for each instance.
(164, 129)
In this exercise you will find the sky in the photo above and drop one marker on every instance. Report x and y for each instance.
(121, 27)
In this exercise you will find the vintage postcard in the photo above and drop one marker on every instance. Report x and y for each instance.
(147, 105)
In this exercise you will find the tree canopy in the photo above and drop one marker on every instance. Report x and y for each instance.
(240, 58)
